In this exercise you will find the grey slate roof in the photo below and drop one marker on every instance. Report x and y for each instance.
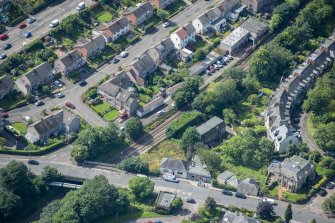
(254, 26)
(154, 103)
(234, 217)
(109, 88)
(49, 122)
(225, 175)
(116, 25)
(141, 10)
(38, 72)
(91, 44)
(174, 164)
(70, 58)
(164, 200)
(209, 125)
(198, 168)
(248, 185)
(189, 29)
(143, 64)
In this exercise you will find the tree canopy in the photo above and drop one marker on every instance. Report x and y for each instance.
(329, 204)
(134, 128)
(141, 187)
(134, 165)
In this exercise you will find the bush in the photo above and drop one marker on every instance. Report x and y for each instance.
(134, 165)
(178, 126)
(177, 204)
(320, 183)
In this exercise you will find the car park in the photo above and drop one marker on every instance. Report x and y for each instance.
(123, 54)
(227, 192)
(54, 23)
(39, 103)
(31, 20)
(3, 36)
(239, 195)
(159, 113)
(82, 83)
(70, 105)
(166, 24)
(7, 46)
(170, 178)
(58, 83)
(3, 56)
(60, 95)
(190, 200)
(81, 6)
(115, 60)
(33, 162)
(22, 25)
(27, 34)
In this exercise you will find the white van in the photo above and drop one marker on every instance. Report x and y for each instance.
(81, 6)
(54, 23)
(170, 178)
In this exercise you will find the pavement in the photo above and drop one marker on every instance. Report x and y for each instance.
(41, 26)
(184, 189)
(304, 133)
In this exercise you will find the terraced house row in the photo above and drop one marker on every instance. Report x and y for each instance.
(291, 92)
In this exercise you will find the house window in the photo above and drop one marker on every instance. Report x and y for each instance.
(180, 173)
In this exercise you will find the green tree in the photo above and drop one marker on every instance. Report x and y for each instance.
(9, 203)
(313, 221)
(134, 128)
(46, 90)
(135, 165)
(2, 142)
(141, 187)
(177, 204)
(190, 137)
(163, 14)
(236, 73)
(264, 209)
(329, 204)
(229, 116)
(212, 160)
(79, 153)
(210, 205)
(325, 136)
(50, 174)
(288, 213)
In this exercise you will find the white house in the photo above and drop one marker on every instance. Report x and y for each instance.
(183, 36)
(204, 22)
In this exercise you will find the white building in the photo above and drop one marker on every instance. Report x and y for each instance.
(183, 36)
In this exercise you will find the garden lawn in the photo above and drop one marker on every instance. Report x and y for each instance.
(144, 98)
(104, 17)
(102, 107)
(21, 127)
(310, 127)
(112, 115)
(168, 148)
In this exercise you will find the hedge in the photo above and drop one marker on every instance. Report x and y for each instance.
(42, 151)
(178, 126)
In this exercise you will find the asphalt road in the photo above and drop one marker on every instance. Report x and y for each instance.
(184, 189)
(41, 26)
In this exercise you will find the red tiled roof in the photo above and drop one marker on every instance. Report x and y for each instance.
(182, 33)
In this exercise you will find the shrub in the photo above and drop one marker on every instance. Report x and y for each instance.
(178, 126)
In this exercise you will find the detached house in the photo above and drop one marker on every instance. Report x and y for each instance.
(89, 48)
(161, 4)
(59, 121)
(33, 79)
(183, 36)
(6, 86)
(160, 51)
(292, 173)
(119, 93)
(141, 68)
(211, 130)
(70, 62)
(113, 30)
(139, 14)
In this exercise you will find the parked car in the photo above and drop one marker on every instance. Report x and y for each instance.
(70, 105)
(166, 24)
(215, 66)
(227, 192)
(229, 57)
(5, 115)
(142, 175)
(60, 95)
(33, 162)
(39, 103)
(27, 34)
(239, 195)
(159, 113)
(7, 46)
(211, 69)
(190, 200)
(323, 192)
(58, 83)
(3, 56)
(81, 6)
(170, 178)
(123, 54)
(54, 23)
(22, 25)
(82, 83)
(26, 118)
(115, 60)
(3, 36)
(31, 20)
(330, 185)
(219, 64)
(270, 201)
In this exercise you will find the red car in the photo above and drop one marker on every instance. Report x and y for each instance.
(22, 25)
(211, 69)
(3, 36)
(70, 105)
(5, 115)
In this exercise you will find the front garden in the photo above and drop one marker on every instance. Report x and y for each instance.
(106, 111)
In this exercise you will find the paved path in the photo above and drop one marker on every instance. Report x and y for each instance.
(304, 133)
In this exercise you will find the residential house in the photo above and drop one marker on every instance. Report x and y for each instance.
(292, 173)
(211, 130)
(172, 90)
(255, 27)
(183, 36)
(257, 5)
(198, 170)
(235, 217)
(141, 68)
(161, 51)
(119, 93)
(204, 22)
(139, 14)
(164, 201)
(150, 107)
(69, 63)
(6, 86)
(226, 6)
(89, 48)
(226, 177)
(116, 28)
(57, 122)
(283, 137)
(33, 79)
(161, 4)
(248, 186)
(176, 167)
(235, 40)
